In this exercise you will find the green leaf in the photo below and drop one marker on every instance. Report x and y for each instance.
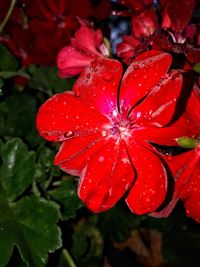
(181, 248)
(1, 83)
(27, 222)
(118, 222)
(17, 118)
(8, 62)
(196, 67)
(18, 168)
(46, 79)
(87, 243)
(66, 195)
(10, 74)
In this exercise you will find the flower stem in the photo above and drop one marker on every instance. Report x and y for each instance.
(68, 258)
(10, 10)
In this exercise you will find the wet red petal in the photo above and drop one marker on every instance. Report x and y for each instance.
(161, 136)
(71, 62)
(64, 116)
(149, 190)
(98, 85)
(192, 199)
(142, 75)
(144, 24)
(87, 39)
(186, 172)
(159, 106)
(75, 152)
(106, 178)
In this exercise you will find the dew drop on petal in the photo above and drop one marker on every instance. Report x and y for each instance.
(175, 76)
(103, 133)
(101, 159)
(93, 64)
(78, 92)
(101, 62)
(107, 77)
(136, 67)
(69, 134)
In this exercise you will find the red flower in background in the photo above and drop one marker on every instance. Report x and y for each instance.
(86, 46)
(176, 15)
(174, 35)
(143, 25)
(137, 5)
(179, 38)
(106, 133)
(57, 10)
(47, 26)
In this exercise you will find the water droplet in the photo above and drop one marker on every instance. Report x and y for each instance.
(101, 159)
(136, 67)
(78, 93)
(107, 77)
(101, 62)
(77, 117)
(94, 64)
(88, 76)
(175, 75)
(114, 113)
(69, 134)
(103, 133)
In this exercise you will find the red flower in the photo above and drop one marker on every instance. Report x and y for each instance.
(143, 25)
(176, 18)
(137, 5)
(106, 133)
(85, 47)
(127, 49)
(186, 167)
(57, 10)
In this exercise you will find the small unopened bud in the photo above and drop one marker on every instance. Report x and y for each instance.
(187, 142)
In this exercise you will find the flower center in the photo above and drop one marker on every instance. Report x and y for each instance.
(120, 128)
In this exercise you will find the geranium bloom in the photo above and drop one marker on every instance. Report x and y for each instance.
(173, 18)
(106, 132)
(137, 5)
(86, 46)
(143, 25)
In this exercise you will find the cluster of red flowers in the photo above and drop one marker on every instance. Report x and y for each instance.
(37, 30)
(112, 125)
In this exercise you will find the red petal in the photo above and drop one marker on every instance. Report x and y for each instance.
(142, 75)
(161, 136)
(187, 175)
(75, 153)
(87, 39)
(144, 24)
(159, 106)
(64, 116)
(71, 59)
(106, 178)
(192, 201)
(98, 85)
(149, 189)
